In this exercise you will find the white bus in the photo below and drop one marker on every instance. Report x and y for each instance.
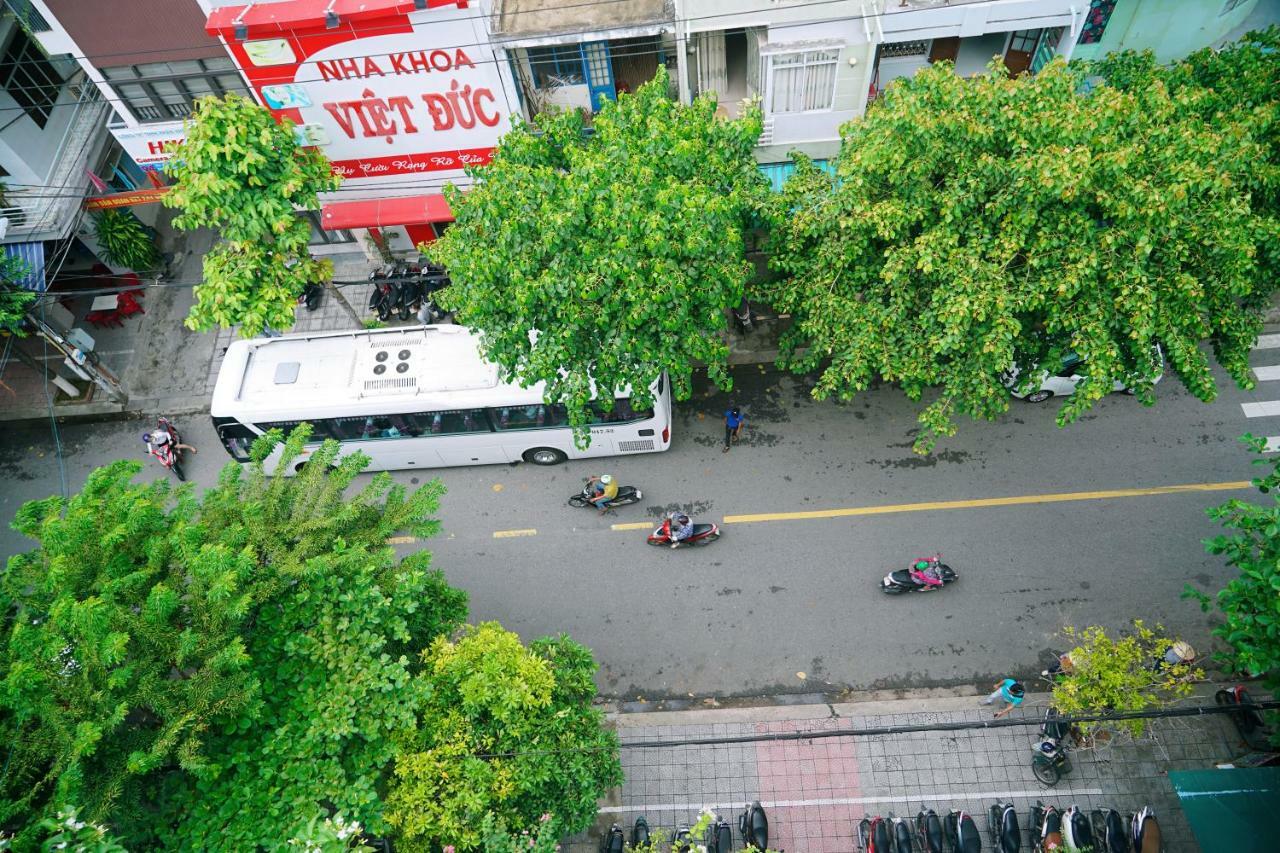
(419, 397)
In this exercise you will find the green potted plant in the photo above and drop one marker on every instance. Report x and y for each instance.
(124, 241)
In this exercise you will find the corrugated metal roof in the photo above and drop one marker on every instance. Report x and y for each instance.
(32, 254)
(777, 173)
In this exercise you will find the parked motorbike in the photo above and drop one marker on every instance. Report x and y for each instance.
(1076, 829)
(310, 297)
(640, 832)
(702, 534)
(1249, 722)
(626, 495)
(900, 830)
(408, 278)
(614, 841)
(753, 826)
(1110, 834)
(719, 837)
(1146, 832)
(873, 835)
(929, 831)
(168, 453)
(385, 294)
(962, 833)
(902, 580)
(1051, 762)
(1046, 828)
(1002, 825)
(683, 840)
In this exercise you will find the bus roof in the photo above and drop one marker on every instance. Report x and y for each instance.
(422, 368)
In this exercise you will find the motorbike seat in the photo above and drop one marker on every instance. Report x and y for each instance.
(903, 837)
(1081, 831)
(970, 840)
(933, 831)
(1117, 840)
(1052, 823)
(1010, 834)
(699, 529)
(902, 576)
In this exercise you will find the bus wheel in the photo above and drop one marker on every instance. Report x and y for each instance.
(545, 456)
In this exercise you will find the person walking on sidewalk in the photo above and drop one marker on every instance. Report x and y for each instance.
(733, 421)
(1011, 692)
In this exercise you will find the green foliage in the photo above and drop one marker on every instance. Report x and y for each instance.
(125, 243)
(216, 672)
(242, 173)
(620, 249)
(67, 832)
(1120, 675)
(507, 733)
(1250, 602)
(14, 301)
(979, 225)
(330, 835)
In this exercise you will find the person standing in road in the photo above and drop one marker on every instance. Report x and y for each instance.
(733, 421)
(1011, 692)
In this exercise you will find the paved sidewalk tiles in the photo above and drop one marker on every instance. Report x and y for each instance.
(815, 791)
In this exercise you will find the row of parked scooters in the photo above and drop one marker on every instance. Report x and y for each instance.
(1102, 831)
(753, 828)
(403, 289)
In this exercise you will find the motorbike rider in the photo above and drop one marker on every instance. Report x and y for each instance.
(603, 489)
(681, 528)
(162, 444)
(926, 571)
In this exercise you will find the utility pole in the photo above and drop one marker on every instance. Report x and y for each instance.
(89, 363)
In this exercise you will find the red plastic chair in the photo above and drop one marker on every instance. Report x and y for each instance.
(127, 305)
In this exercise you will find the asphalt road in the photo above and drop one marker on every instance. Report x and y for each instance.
(793, 605)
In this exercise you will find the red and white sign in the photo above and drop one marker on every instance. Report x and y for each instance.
(150, 145)
(387, 92)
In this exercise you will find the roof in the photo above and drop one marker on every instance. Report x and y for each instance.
(531, 17)
(380, 212)
(421, 368)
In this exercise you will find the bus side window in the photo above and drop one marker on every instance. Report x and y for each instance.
(237, 438)
(520, 417)
(451, 422)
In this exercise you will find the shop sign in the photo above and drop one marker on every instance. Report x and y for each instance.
(150, 145)
(125, 199)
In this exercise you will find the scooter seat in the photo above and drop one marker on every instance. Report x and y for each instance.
(1010, 833)
(699, 529)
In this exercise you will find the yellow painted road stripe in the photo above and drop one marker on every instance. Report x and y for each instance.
(506, 534)
(402, 540)
(927, 506)
(633, 525)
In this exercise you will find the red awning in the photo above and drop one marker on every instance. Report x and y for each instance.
(263, 19)
(374, 213)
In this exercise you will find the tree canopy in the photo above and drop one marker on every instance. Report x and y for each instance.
(14, 301)
(596, 261)
(977, 226)
(507, 735)
(241, 172)
(215, 672)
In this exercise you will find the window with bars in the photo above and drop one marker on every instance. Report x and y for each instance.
(803, 81)
(321, 237)
(29, 77)
(559, 64)
(163, 91)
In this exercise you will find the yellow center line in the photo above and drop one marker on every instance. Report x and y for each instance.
(506, 534)
(927, 506)
(633, 525)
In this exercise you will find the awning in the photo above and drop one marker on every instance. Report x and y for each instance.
(267, 19)
(375, 213)
(31, 254)
(1230, 811)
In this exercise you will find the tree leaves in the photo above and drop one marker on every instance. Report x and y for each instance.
(595, 262)
(977, 226)
(242, 173)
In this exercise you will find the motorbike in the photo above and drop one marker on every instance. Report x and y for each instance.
(900, 581)
(1146, 832)
(386, 292)
(614, 841)
(626, 495)
(409, 280)
(753, 826)
(640, 832)
(1249, 722)
(929, 831)
(1046, 828)
(873, 835)
(702, 534)
(167, 454)
(900, 830)
(719, 837)
(962, 832)
(683, 840)
(310, 297)
(1110, 834)
(1002, 824)
(1076, 829)
(1051, 762)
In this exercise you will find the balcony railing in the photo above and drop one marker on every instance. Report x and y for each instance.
(29, 16)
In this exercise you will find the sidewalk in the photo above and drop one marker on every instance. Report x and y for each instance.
(815, 791)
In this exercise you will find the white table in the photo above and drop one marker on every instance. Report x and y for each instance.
(110, 302)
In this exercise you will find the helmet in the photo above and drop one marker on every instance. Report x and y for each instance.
(606, 478)
(682, 518)
(922, 564)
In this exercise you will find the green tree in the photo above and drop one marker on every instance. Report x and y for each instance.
(977, 226)
(214, 673)
(598, 261)
(1120, 674)
(507, 735)
(1250, 602)
(14, 301)
(244, 174)
(67, 832)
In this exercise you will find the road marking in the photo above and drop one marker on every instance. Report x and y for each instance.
(927, 506)
(1265, 374)
(1261, 410)
(632, 525)
(1267, 342)
(402, 540)
(930, 796)
(507, 534)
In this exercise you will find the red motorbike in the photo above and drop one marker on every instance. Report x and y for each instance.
(166, 452)
(702, 534)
